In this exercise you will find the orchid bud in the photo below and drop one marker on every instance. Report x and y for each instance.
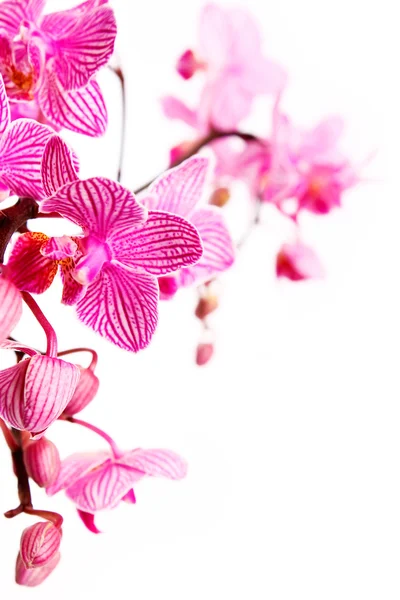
(206, 306)
(204, 353)
(298, 262)
(85, 391)
(34, 393)
(11, 307)
(168, 286)
(42, 461)
(39, 543)
(188, 64)
(220, 197)
(34, 576)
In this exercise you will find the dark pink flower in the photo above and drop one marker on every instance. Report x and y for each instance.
(52, 60)
(298, 262)
(112, 277)
(180, 190)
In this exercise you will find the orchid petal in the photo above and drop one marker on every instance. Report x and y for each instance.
(4, 108)
(58, 248)
(130, 497)
(11, 307)
(75, 466)
(88, 521)
(179, 189)
(82, 111)
(21, 151)
(157, 463)
(214, 35)
(85, 391)
(98, 205)
(28, 268)
(72, 290)
(219, 252)
(323, 138)
(62, 22)
(57, 166)
(163, 244)
(84, 49)
(12, 12)
(121, 306)
(174, 108)
(103, 488)
(227, 101)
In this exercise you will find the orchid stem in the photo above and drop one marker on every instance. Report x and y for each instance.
(99, 432)
(93, 363)
(119, 73)
(24, 491)
(48, 329)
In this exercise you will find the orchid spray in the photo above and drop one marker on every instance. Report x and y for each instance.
(134, 248)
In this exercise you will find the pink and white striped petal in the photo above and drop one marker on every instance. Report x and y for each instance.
(83, 111)
(103, 488)
(122, 306)
(179, 190)
(39, 543)
(58, 248)
(72, 290)
(86, 390)
(60, 23)
(156, 463)
(57, 166)
(11, 307)
(36, 576)
(12, 12)
(165, 243)
(35, 392)
(100, 206)
(4, 108)
(76, 466)
(219, 251)
(83, 49)
(21, 152)
(28, 268)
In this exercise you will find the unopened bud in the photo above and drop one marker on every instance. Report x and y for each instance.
(204, 353)
(220, 197)
(206, 306)
(168, 286)
(34, 576)
(39, 544)
(87, 388)
(42, 461)
(188, 64)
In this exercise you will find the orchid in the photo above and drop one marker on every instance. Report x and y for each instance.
(298, 262)
(52, 60)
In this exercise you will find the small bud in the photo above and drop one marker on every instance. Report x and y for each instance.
(39, 544)
(42, 461)
(34, 393)
(206, 306)
(34, 576)
(188, 64)
(220, 197)
(85, 391)
(204, 353)
(168, 286)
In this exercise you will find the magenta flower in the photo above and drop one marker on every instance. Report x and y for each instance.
(180, 191)
(298, 262)
(22, 143)
(11, 307)
(101, 480)
(42, 461)
(112, 277)
(52, 60)
(34, 393)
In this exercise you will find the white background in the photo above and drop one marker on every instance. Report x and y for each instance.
(292, 433)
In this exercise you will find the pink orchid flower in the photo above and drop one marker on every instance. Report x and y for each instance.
(22, 143)
(52, 60)
(11, 307)
(230, 53)
(180, 191)
(101, 480)
(298, 262)
(112, 277)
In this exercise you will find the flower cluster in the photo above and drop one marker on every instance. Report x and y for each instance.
(132, 249)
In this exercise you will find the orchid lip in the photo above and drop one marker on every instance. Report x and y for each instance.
(90, 265)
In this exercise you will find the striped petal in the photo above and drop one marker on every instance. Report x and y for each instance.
(86, 390)
(34, 577)
(72, 290)
(180, 189)
(57, 166)
(163, 244)
(100, 206)
(58, 248)
(11, 307)
(60, 23)
(85, 48)
(121, 306)
(28, 268)
(157, 463)
(76, 466)
(83, 111)
(39, 543)
(34, 393)
(12, 12)
(4, 108)
(219, 252)
(21, 152)
(103, 488)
